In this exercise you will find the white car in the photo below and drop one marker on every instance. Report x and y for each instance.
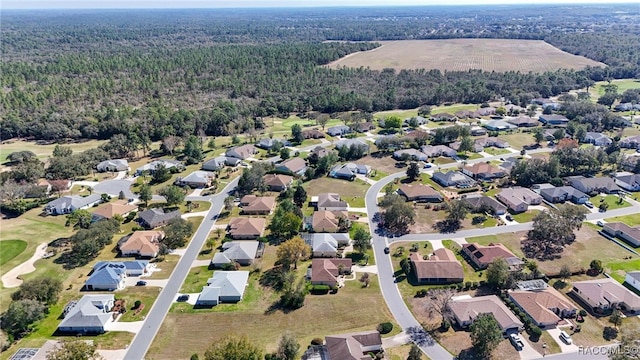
(600, 223)
(565, 337)
(589, 204)
(516, 341)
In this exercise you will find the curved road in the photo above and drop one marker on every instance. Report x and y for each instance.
(390, 290)
(142, 341)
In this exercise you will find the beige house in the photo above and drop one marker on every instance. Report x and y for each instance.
(109, 210)
(602, 295)
(420, 193)
(327, 271)
(277, 182)
(481, 256)
(466, 310)
(441, 267)
(327, 221)
(142, 243)
(257, 205)
(484, 171)
(518, 198)
(355, 346)
(246, 228)
(545, 305)
(329, 201)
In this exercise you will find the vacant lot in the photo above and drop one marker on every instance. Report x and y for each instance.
(465, 54)
(350, 191)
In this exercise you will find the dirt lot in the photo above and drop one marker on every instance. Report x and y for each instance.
(465, 54)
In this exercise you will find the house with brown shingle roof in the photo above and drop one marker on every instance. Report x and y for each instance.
(326, 271)
(484, 171)
(602, 295)
(623, 231)
(277, 182)
(481, 256)
(141, 243)
(523, 121)
(242, 152)
(466, 310)
(329, 201)
(312, 134)
(518, 198)
(355, 346)
(420, 193)
(294, 165)
(492, 141)
(441, 267)
(109, 210)
(482, 203)
(544, 304)
(327, 221)
(257, 205)
(246, 228)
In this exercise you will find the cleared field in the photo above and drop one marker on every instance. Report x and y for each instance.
(465, 54)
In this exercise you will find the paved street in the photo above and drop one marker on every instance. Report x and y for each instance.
(142, 340)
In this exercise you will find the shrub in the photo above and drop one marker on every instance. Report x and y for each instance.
(460, 286)
(582, 312)
(467, 284)
(194, 357)
(535, 333)
(474, 285)
(385, 327)
(320, 289)
(609, 333)
(445, 325)
(137, 304)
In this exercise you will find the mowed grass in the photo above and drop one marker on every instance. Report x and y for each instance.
(350, 191)
(43, 151)
(464, 54)
(353, 308)
(619, 269)
(622, 84)
(614, 201)
(631, 220)
(518, 140)
(10, 249)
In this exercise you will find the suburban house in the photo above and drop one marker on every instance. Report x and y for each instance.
(486, 111)
(420, 193)
(152, 166)
(410, 154)
(110, 275)
(594, 185)
(560, 194)
(466, 114)
(326, 244)
(113, 165)
(246, 228)
(597, 139)
(544, 304)
(453, 178)
(338, 130)
(633, 279)
(443, 117)
(623, 231)
(320, 151)
(312, 134)
(109, 210)
(90, 314)
(553, 105)
(631, 142)
(329, 201)
(70, 203)
(153, 218)
(326, 221)
(438, 150)
(242, 252)
(257, 205)
(509, 163)
(268, 143)
(64, 185)
(481, 256)
(277, 182)
(327, 271)
(626, 106)
(141, 243)
(241, 152)
(498, 125)
(348, 143)
(483, 171)
(224, 287)
(197, 179)
(553, 119)
(465, 311)
(365, 126)
(441, 267)
(349, 171)
(478, 131)
(354, 346)
(218, 163)
(492, 141)
(629, 182)
(294, 165)
(523, 121)
(518, 198)
(602, 295)
(456, 146)
(481, 203)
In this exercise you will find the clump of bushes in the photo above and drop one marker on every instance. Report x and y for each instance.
(385, 327)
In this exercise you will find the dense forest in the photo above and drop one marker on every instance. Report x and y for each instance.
(93, 74)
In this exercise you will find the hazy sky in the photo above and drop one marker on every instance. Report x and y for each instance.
(85, 4)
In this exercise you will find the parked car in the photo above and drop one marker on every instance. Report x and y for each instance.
(426, 166)
(509, 217)
(589, 204)
(141, 283)
(600, 223)
(386, 250)
(516, 341)
(565, 337)
(183, 298)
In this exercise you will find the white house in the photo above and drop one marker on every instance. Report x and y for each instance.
(71, 203)
(633, 279)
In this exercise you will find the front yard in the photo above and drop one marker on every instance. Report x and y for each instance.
(613, 201)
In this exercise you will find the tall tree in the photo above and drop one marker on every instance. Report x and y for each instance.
(74, 350)
(43, 288)
(233, 348)
(145, 194)
(173, 195)
(79, 219)
(288, 347)
(299, 196)
(292, 251)
(413, 171)
(485, 334)
(361, 239)
(17, 321)
(296, 134)
(457, 210)
(498, 273)
(466, 144)
(538, 135)
(193, 150)
(415, 353)
(177, 232)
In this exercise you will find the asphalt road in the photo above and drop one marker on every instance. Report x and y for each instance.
(142, 341)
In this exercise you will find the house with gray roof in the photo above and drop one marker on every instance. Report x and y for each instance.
(631, 142)
(603, 295)
(326, 244)
(349, 171)
(111, 275)
(498, 125)
(523, 121)
(113, 165)
(329, 201)
(518, 198)
(354, 346)
(554, 119)
(633, 279)
(594, 185)
(197, 179)
(453, 178)
(70, 203)
(438, 150)
(219, 162)
(629, 182)
(419, 120)
(295, 165)
(167, 164)
(152, 218)
(561, 194)
(357, 142)
(89, 315)
(479, 203)
(466, 310)
(411, 154)
(338, 130)
(597, 139)
(224, 287)
(242, 252)
(268, 143)
(623, 231)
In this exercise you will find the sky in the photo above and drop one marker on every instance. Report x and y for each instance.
(123, 4)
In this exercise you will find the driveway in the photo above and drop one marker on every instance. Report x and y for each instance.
(113, 188)
(564, 347)
(132, 280)
(128, 326)
(528, 352)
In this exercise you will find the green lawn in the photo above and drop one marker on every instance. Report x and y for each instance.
(496, 151)
(469, 272)
(619, 269)
(147, 295)
(631, 220)
(377, 174)
(280, 126)
(443, 160)
(469, 156)
(622, 84)
(350, 191)
(525, 216)
(196, 279)
(10, 249)
(518, 140)
(614, 201)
